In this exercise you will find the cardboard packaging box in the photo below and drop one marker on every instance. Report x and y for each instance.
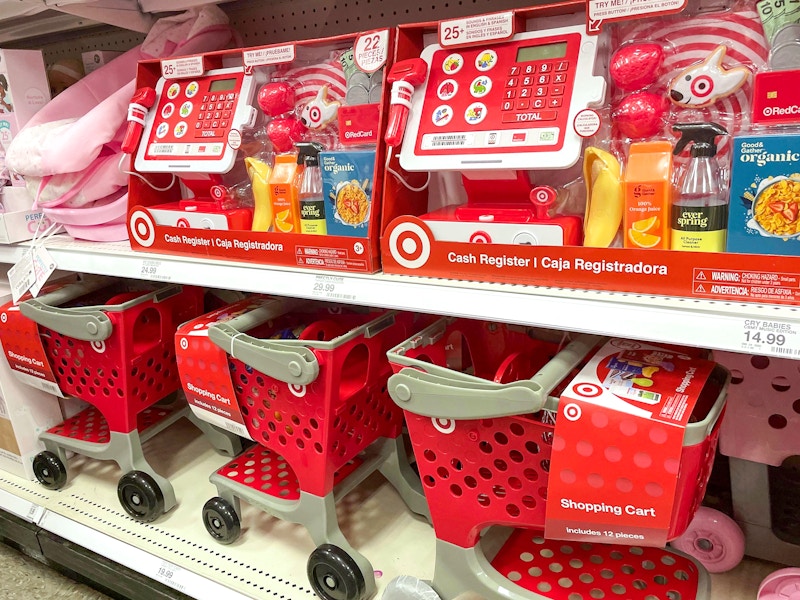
(764, 213)
(25, 412)
(23, 91)
(502, 112)
(18, 222)
(234, 200)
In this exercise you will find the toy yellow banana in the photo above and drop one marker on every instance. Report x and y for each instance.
(258, 171)
(604, 198)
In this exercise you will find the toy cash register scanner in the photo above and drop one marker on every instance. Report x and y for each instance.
(194, 130)
(496, 111)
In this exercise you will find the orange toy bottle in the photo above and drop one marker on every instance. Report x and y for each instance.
(648, 195)
(283, 190)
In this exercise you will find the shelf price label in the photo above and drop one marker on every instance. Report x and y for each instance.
(154, 270)
(171, 575)
(331, 287)
(768, 337)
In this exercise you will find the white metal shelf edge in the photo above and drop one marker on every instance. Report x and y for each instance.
(137, 559)
(710, 324)
(24, 509)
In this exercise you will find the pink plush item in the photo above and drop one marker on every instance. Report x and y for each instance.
(105, 210)
(285, 132)
(636, 65)
(640, 115)
(276, 98)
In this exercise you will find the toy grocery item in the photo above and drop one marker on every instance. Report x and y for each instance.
(348, 178)
(700, 208)
(310, 198)
(109, 343)
(487, 463)
(259, 172)
(604, 197)
(707, 82)
(307, 383)
(283, 190)
(648, 195)
(765, 194)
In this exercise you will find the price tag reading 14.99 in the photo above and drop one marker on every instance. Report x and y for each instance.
(775, 338)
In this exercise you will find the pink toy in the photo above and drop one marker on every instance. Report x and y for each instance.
(704, 83)
(783, 584)
(635, 66)
(284, 132)
(319, 111)
(714, 539)
(640, 115)
(276, 98)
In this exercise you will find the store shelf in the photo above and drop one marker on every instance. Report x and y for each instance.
(704, 323)
(269, 560)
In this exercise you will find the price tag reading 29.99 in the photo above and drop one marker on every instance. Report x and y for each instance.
(331, 287)
(775, 338)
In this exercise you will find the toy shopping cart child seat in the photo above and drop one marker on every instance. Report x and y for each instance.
(310, 383)
(109, 343)
(480, 401)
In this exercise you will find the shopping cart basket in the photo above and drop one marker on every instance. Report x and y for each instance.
(109, 343)
(480, 401)
(310, 381)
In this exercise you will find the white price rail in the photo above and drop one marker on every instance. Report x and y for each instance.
(20, 507)
(703, 323)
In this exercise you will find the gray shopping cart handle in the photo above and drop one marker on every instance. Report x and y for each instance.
(459, 396)
(295, 364)
(445, 398)
(81, 324)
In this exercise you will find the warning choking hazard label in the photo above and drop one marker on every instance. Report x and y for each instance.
(746, 285)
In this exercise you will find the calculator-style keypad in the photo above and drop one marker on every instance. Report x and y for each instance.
(512, 96)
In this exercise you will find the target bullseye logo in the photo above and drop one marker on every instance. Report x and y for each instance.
(445, 426)
(572, 412)
(184, 343)
(410, 245)
(182, 222)
(587, 390)
(480, 237)
(3, 318)
(702, 86)
(99, 347)
(297, 390)
(143, 229)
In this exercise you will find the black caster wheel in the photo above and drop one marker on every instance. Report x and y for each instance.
(49, 470)
(221, 520)
(334, 574)
(140, 496)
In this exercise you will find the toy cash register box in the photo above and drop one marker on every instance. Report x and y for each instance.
(502, 112)
(194, 131)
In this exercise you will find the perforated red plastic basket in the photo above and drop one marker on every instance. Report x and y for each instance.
(108, 342)
(318, 427)
(479, 471)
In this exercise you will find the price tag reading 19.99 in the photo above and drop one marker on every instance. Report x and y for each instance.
(775, 338)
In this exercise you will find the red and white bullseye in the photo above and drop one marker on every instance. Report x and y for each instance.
(410, 245)
(142, 228)
(587, 390)
(445, 426)
(572, 412)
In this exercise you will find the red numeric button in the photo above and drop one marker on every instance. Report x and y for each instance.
(197, 124)
(513, 71)
(541, 91)
(527, 80)
(538, 103)
(522, 104)
(510, 94)
(545, 68)
(507, 105)
(511, 82)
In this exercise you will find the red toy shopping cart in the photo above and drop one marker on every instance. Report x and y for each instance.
(109, 343)
(307, 383)
(481, 401)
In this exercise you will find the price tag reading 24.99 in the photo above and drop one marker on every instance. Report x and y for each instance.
(775, 338)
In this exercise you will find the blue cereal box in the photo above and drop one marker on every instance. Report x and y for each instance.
(764, 213)
(347, 185)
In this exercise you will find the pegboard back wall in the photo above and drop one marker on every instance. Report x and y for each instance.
(261, 22)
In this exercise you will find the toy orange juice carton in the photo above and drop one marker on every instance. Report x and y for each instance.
(648, 191)
(284, 190)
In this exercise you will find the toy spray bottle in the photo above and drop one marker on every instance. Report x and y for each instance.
(700, 209)
(312, 205)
